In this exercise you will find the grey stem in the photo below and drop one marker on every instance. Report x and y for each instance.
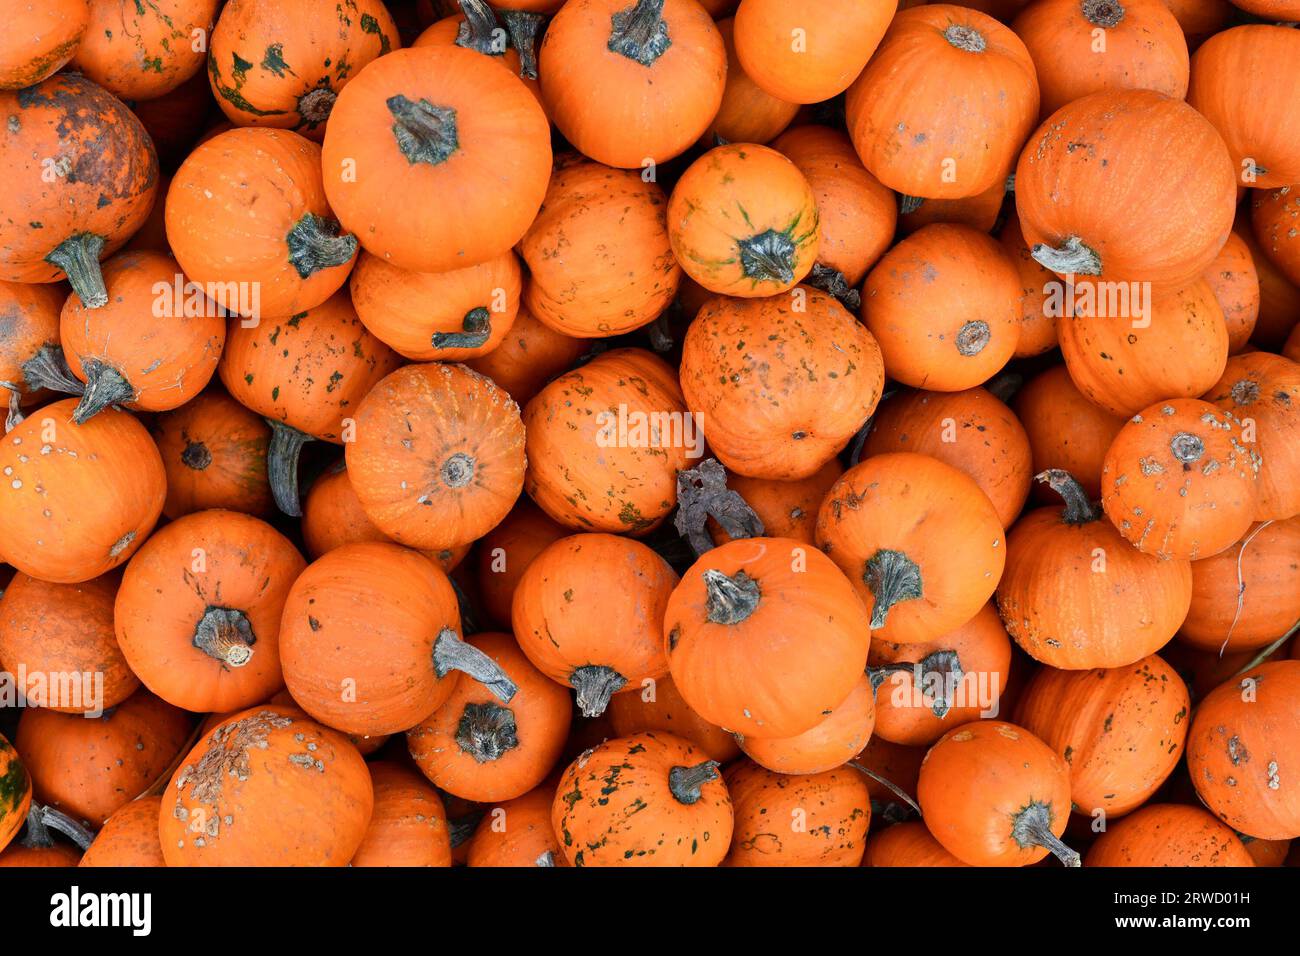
(523, 28)
(450, 653)
(1244, 392)
(947, 665)
(282, 465)
(546, 859)
(1187, 448)
(315, 243)
(702, 493)
(476, 329)
(972, 337)
(78, 257)
(487, 731)
(105, 386)
(1032, 826)
(425, 132)
(909, 204)
(729, 600)
(1078, 509)
(965, 38)
(14, 417)
(458, 470)
(685, 782)
(316, 105)
(832, 282)
(888, 785)
(225, 634)
(1070, 257)
(196, 456)
(60, 822)
(640, 32)
(49, 369)
(478, 30)
(595, 685)
(878, 675)
(768, 255)
(661, 336)
(892, 577)
(1103, 13)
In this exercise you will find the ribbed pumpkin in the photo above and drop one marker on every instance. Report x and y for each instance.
(409, 824)
(40, 39)
(31, 332)
(531, 355)
(1066, 431)
(129, 837)
(518, 833)
(141, 51)
(836, 739)
(659, 706)
(1037, 325)
(787, 509)
(797, 820)
(15, 793)
(907, 844)
(1168, 834)
(748, 113)
(507, 550)
(1234, 280)
(332, 515)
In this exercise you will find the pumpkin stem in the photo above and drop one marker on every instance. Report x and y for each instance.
(878, 675)
(450, 653)
(769, 255)
(1245, 392)
(1103, 13)
(892, 577)
(595, 685)
(462, 828)
(458, 470)
(1078, 509)
(702, 492)
(889, 785)
(479, 31)
(425, 133)
(225, 634)
(1070, 257)
(1004, 386)
(661, 336)
(477, 327)
(1187, 448)
(1010, 184)
(49, 369)
(14, 417)
(41, 820)
(832, 282)
(640, 32)
(1032, 826)
(316, 105)
(946, 665)
(965, 38)
(196, 456)
(546, 859)
(315, 244)
(105, 386)
(729, 600)
(487, 731)
(78, 257)
(282, 465)
(685, 782)
(972, 337)
(523, 28)
(909, 204)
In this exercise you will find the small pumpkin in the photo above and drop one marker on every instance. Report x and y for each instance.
(528, 357)
(659, 706)
(1066, 431)
(1168, 834)
(907, 844)
(332, 516)
(409, 824)
(41, 38)
(507, 550)
(518, 833)
(15, 793)
(129, 837)
(787, 509)
(1274, 217)
(1234, 280)
(748, 113)
(838, 738)
(31, 332)
(143, 51)
(1279, 298)
(1037, 324)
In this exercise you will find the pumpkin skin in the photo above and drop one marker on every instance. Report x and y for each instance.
(1274, 217)
(101, 491)
(788, 509)
(900, 766)
(143, 51)
(599, 259)
(507, 550)
(129, 837)
(302, 796)
(666, 711)
(944, 105)
(980, 211)
(480, 33)
(198, 612)
(765, 251)
(970, 430)
(31, 321)
(579, 472)
(1200, 19)
(1243, 732)
(1176, 213)
(907, 844)
(1279, 299)
(40, 39)
(1168, 834)
(1205, 512)
(623, 100)
(332, 515)
(834, 807)
(838, 738)
(1234, 280)
(284, 65)
(531, 355)
(1267, 852)
(1121, 730)
(408, 826)
(1037, 326)
(875, 524)
(438, 458)
(487, 183)
(518, 833)
(588, 611)
(993, 794)
(781, 384)
(748, 114)
(600, 809)
(1066, 431)
(15, 793)
(109, 155)
(729, 630)
(64, 629)
(945, 306)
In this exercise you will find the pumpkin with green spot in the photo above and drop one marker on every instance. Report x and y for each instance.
(15, 792)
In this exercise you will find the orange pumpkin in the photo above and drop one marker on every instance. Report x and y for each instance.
(1200, 19)
(797, 819)
(748, 114)
(40, 39)
(907, 844)
(518, 833)
(31, 333)
(16, 793)
(1279, 298)
(531, 355)
(1037, 324)
(1274, 217)
(476, 28)
(787, 509)
(838, 738)
(332, 515)
(142, 51)
(1066, 431)
(408, 826)
(980, 211)
(659, 706)
(1168, 834)
(37, 846)
(1234, 280)
(505, 553)
(129, 837)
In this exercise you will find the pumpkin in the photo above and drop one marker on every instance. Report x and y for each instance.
(438, 458)
(1178, 482)
(476, 747)
(782, 383)
(256, 259)
(91, 766)
(214, 452)
(980, 212)
(900, 766)
(593, 467)
(743, 221)
(765, 636)
(1200, 19)
(838, 738)
(945, 306)
(588, 610)
(1245, 596)
(37, 846)
(284, 65)
(1264, 390)
(529, 356)
(1292, 348)
(1066, 431)
(1234, 280)
(644, 800)
(787, 509)
(129, 837)
(306, 374)
(143, 51)
(65, 629)
(797, 820)
(512, 45)
(748, 114)
(1120, 730)
(518, 833)
(41, 38)
(632, 83)
(428, 316)
(1074, 595)
(1275, 217)
(881, 524)
(970, 430)
(84, 507)
(31, 331)
(945, 104)
(505, 553)
(993, 794)
(267, 787)
(1152, 200)
(1241, 742)
(811, 52)
(438, 127)
(82, 177)
(1037, 324)
(408, 826)
(1267, 852)
(1279, 298)
(15, 793)
(198, 612)
(659, 706)
(907, 844)
(332, 516)
(1168, 834)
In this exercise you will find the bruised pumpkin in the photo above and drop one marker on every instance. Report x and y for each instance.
(1169, 834)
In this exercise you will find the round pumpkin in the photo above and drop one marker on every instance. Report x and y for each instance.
(1201, 19)
(1234, 280)
(748, 113)
(907, 844)
(797, 820)
(41, 38)
(332, 515)
(836, 739)
(141, 51)
(31, 333)
(1279, 298)
(518, 833)
(129, 837)
(507, 550)
(511, 44)
(409, 824)
(1168, 834)
(659, 706)
(1066, 431)
(1037, 325)
(1274, 217)
(15, 793)
(528, 357)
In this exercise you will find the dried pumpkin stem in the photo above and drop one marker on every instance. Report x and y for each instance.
(425, 132)
(450, 653)
(457, 471)
(640, 32)
(1032, 826)
(1078, 509)
(476, 328)
(1187, 448)
(685, 782)
(661, 336)
(702, 493)
(523, 28)
(196, 456)
(595, 684)
(767, 256)
(487, 731)
(909, 204)
(282, 465)
(105, 386)
(546, 859)
(729, 600)
(225, 634)
(41, 820)
(965, 38)
(1071, 256)
(892, 577)
(972, 337)
(833, 283)
(316, 105)
(78, 257)
(49, 369)
(878, 675)
(14, 417)
(479, 30)
(945, 665)
(315, 244)
(1103, 13)
(888, 785)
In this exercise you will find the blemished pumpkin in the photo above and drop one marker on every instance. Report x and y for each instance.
(748, 113)
(1241, 742)
(141, 51)
(743, 221)
(787, 509)
(518, 833)
(1279, 298)
(1168, 834)
(1066, 431)
(651, 799)
(65, 629)
(1037, 324)
(797, 819)
(31, 333)
(438, 127)
(198, 612)
(1178, 481)
(907, 844)
(1234, 280)
(764, 636)
(993, 794)
(781, 384)
(15, 792)
(944, 304)
(507, 550)
(129, 837)
(85, 507)
(409, 824)
(1120, 730)
(945, 104)
(41, 38)
(588, 610)
(332, 515)
(302, 795)
(659, 706)
(63, 225)
(284, 64)
(1274, 217)
(1075, 595)
(836, 739)
(531, 355)
(918, 539)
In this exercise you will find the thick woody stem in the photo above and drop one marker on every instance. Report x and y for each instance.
(1032, 826)
(685, 782)
(1070, 257)
(595, 685)
(282, 465)
(1078, 509)
(450, 653)
(729, 599)
(225, 634)
(105, 386)
(78, 257)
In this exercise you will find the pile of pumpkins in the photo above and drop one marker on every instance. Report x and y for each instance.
(650, 433)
